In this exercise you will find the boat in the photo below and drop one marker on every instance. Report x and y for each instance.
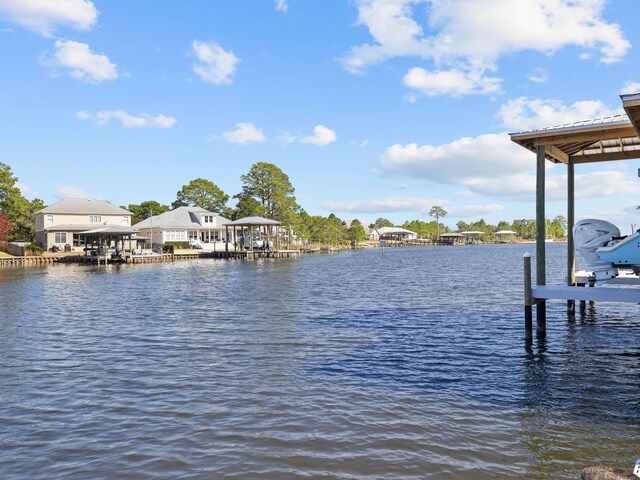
(608, 253)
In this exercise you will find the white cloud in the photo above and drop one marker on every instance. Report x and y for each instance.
(66, 191)
(322, 136)
(384, 205)
(127, 120)
(42, 16)
(493, 166)
(453, 82)
(244, 133)
(539, 75)
(486, 156)
(469, 36)
(216, 65)
(523, 186)
(525, 114)
(82, 62)
(281, 6)
(630, 87)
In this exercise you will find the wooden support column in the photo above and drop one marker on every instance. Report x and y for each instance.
(571, 251)
(528, 300)
(226, 243)
(541, 308)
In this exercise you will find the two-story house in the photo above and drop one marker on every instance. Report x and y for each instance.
(61, 223)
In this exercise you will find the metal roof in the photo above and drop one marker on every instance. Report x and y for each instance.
(600, 139)
(183, 217)
(394, 231)
(84, 206)
(111, 231)
(506, 232)
(252, 221)
(472, 232)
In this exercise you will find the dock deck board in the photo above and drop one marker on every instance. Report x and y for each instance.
(597, 294)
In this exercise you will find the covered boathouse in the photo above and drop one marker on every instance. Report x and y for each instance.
(605, 139)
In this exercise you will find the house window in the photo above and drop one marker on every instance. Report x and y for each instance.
(60, 237)
(49, 218)
(125, 220)
(95, 219)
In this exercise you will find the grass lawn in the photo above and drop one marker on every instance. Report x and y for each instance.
(3, 254)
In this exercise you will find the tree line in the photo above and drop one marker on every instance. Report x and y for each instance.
(266, 192)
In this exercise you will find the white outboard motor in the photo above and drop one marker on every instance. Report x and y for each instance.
(591, 234)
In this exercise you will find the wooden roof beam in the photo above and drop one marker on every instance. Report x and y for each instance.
(592, 137)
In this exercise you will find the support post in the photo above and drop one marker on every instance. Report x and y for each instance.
(571, 251)
(541, 308)
(226, 243)
(528, 300)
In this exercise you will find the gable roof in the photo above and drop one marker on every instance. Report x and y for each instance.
(86, 206)
(182, 217)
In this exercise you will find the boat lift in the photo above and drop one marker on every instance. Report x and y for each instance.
(611, 259)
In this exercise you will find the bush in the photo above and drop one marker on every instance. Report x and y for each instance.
(32, 249)
(171, 246)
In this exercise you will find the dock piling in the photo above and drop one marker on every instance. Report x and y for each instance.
(528, 299)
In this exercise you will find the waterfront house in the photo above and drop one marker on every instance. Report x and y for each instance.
(396, 233)
(194, 225)
(61, 224)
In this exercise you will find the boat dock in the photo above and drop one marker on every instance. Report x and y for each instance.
(146, 258)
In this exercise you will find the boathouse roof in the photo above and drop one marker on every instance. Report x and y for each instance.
(183, 217)
(86, 206)
(395, 231)
(253, 221)
(596, 140)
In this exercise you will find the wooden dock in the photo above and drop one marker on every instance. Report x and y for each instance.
(147, 258)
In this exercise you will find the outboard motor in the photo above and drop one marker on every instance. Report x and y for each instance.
(591, 234)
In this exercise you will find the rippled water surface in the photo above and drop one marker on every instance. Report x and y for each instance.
(403, 365)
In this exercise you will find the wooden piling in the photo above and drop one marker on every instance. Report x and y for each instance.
(528, 299)
(571, 252)
(541, 305)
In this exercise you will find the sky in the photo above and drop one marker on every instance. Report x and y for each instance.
(373, 108)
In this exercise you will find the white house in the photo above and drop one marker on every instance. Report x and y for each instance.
(195, 225)
(61, 223)
(396, 233)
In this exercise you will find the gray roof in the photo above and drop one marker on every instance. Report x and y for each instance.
(111, 231)
(395, 231)
(248, 221)
(182, 217)
(619, 119)
(86, 206)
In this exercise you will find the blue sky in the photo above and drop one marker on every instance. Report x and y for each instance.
(372, 107)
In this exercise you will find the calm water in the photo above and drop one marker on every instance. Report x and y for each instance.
(405, 365)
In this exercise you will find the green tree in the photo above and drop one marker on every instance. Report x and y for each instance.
(17, 208)
(437, 212)
(272, 188)
(382, 222)
(502, 225)
(246, 207)
(145, 209)
(462, 226)
(356, 232)
(202, 193)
